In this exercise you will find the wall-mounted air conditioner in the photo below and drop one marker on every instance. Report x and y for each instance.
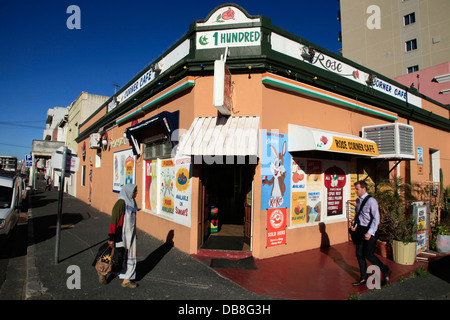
(394, 140)
(94, 141)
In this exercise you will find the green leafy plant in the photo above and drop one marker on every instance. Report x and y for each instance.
(395, 223)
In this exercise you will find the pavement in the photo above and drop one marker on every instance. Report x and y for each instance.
(165, 273)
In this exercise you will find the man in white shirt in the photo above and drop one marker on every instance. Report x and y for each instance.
(366, 221)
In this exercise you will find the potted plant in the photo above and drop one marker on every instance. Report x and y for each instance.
(443, 237)
(404, 242)
(397, 230)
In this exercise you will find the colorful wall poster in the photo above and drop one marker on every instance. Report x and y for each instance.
(183, 191)
(313, 206)
(421, 216)
(298, 187)
(334, 182)
(167, 181)
(124, 169)
(299, 208)
(275, 169)
(276, 227)
(151, 186)
(314, 171)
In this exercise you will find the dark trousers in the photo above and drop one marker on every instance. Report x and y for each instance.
(365, 249)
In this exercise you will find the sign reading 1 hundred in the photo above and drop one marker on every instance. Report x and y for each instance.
(229, 38)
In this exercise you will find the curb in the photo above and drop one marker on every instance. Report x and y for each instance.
(33, 288)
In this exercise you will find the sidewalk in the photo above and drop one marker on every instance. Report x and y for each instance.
(165, 273)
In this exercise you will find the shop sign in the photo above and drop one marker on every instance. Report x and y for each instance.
(276, 227)
(222, 88)
(275, 163)
(160, 67)
(325, 62)
(228, 38)
(341, 144)
(329, 142)
(227, 15)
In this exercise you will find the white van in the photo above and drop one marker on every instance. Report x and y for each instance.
(10, 203)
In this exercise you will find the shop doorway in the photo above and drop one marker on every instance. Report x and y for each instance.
(226, 207)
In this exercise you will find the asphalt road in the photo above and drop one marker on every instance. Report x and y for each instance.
(13, 254)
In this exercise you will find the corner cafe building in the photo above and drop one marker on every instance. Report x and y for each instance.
(245, 137)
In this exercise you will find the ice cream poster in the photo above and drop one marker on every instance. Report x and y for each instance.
(276, 227)
(313, 206)
(151, 186)
(275, 171)
(166, 188)
(183, 191)
(124, 169)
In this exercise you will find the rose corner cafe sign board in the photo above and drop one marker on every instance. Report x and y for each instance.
(310, 139)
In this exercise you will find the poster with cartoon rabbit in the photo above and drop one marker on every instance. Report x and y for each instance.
(275, 171)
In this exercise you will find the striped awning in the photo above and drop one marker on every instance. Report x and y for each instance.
(226, 136)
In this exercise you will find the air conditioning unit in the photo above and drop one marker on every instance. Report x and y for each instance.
(94, 141)
(394, 140)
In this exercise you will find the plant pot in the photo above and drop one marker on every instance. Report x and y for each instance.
(384, 249)
(443, 243)
(404, 253)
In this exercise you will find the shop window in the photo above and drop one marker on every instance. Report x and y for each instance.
(98, 159)
(157, 149)
(83, 176)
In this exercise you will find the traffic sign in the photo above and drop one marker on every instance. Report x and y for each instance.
(72, 161)
(28, 160)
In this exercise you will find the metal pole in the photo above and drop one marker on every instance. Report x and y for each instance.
(60, 201)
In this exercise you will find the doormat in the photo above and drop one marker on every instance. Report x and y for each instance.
(224, 243)
(246, 263)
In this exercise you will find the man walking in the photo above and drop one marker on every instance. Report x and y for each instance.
(367, 219)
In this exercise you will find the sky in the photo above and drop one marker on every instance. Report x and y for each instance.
(44, 64)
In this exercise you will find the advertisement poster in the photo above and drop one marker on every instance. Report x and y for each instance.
(183, 192)
(276, 227)
(275, 163)
(299, 208)
(313, 206)
(124, 169)
(314, 170)
(421, 215)
(335, 180)
(298, 187)
(151, 186)
(167, 182)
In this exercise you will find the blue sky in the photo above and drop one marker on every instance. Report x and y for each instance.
(43, 64)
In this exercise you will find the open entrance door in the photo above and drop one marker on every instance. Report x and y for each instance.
(226, 206)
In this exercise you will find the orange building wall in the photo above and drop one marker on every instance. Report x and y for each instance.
(276, 109)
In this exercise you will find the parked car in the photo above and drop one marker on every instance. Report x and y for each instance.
(10, 203)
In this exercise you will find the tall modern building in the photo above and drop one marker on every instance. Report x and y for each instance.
(396, 37)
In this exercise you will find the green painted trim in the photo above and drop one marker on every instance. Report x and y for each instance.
(170, 93)
(322, 96)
